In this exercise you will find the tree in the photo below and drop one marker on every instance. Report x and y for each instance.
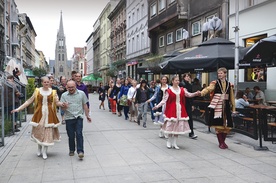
(39, 72)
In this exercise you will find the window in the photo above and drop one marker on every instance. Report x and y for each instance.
(169, 38)
(137, 42)
(133, 49)
(133, 17)
(142, 10)
(62, 57)
(143, 41)
(161, 41)
(138, 14)
(170, 1)
(61, 69)
(196, 28)
(153, 10)
(81, 66)
(161, 5)
(59, 57)
(178, 34)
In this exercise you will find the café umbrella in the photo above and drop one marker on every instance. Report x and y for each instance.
(207, 57)
(89, 78)
(261, 53)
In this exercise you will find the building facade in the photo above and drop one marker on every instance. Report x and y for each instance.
(79, 60)
(137, 38)
(96, 47)
(105, 29)
(118, 39)
(262, 13)
(2, 35)
(89, 54)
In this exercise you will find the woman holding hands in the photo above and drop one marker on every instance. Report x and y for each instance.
(45, 120)
(175, 115)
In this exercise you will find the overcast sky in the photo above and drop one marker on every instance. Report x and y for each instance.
(79, 17)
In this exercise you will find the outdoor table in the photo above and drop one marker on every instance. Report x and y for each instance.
(272, 102)
(259, 111)
(253, 101)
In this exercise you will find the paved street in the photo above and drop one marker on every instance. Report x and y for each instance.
(117, 150)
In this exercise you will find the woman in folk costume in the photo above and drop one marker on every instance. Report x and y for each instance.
(175, 115)
(45, 120)
(157, 97)
(222, 103)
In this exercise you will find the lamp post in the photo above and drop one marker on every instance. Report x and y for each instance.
(236, 30)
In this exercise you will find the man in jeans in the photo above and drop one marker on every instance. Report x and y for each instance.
(74, 104)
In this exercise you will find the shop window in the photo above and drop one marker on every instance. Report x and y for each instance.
(257, 74)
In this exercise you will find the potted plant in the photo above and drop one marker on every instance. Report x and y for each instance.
(30, 88)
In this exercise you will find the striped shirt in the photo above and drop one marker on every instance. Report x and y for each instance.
(76, 102)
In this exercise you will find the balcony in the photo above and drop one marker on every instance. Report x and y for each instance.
(14, 18)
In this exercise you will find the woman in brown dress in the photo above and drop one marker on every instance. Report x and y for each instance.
(45, 120)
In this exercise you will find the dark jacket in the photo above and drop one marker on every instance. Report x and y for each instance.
(138, 95)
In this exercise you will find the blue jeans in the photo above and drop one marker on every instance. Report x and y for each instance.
(74, 129)
(151, 111)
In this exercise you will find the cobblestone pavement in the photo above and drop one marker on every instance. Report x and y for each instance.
(117, 150)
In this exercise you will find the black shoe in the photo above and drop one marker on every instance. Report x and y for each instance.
(193, 136)
(16, 130)
(71, 153)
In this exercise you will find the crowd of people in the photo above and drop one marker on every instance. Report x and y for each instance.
(170, 103)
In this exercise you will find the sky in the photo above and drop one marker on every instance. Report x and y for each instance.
(78, 16)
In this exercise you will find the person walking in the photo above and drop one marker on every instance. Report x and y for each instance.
(111, 101)
(156, 98)
(141, 101)
(101, 92)
(44, 121)
(222, 103)
(81, 86)
(189, 102)
(115, 92)
(75, 104)
(175, 115)
(122, 98)
(131, 95)
(60, 91)
(152, 89)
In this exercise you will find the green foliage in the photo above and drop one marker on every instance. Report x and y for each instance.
(7, 127)
(111, 72)
(30, 88)
(39, 72)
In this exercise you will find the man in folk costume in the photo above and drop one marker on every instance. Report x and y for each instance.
(222, 103)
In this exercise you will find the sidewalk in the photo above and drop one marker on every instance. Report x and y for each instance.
(117, 150)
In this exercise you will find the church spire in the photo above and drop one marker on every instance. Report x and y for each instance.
(61, 31)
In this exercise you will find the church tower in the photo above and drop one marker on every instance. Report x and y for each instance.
(61, 63)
